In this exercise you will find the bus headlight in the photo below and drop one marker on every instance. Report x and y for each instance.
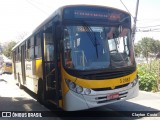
(72, 85)
(134, 82)
(78, 89)
(87, 91)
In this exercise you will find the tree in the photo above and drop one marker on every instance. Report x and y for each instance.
(147, 46)
(137, 49)
(8, 48)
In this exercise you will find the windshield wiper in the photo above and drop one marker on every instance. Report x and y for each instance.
(92, 36)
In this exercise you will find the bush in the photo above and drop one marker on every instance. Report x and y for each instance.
(147, 77)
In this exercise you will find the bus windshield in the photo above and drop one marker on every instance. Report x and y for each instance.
(97, 47)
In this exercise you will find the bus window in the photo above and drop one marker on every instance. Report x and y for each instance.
(38, 51)
(28, 49)
(19, 54)
(49, 47)
(32, 49)
(67, 49)
(118, 47)
(49, 56)
(84, 47)
(8, 64)
(16, 54)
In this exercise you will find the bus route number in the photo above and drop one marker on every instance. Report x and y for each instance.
(125, 80)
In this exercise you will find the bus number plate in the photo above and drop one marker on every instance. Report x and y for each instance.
(113, 96)
(125, 80)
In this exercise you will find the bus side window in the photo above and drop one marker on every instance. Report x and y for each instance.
(28, 49)
(49, 47)
(32, 48)
(19, 53)
(38, 46)
(16, 54)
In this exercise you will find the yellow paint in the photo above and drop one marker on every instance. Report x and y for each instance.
(106, 83)
(97, 83)
(60, 103)
(65, 76)
(38, 68)
(8, 69)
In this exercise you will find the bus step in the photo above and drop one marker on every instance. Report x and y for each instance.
(51, 101)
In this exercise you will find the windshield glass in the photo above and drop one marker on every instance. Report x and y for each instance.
(97, 47)
(8, 64)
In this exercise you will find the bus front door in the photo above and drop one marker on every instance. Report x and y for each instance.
(50, 68)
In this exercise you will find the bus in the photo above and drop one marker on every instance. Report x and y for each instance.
(6, 68)
(80, 57)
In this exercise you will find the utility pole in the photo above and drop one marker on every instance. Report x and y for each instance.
(135, 20)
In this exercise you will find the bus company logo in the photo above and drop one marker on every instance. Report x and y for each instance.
(6, 114)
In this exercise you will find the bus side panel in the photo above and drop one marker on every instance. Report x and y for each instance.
(29, 75)
(37, 72)
(38, 68)
(33, 74)
(65, 88)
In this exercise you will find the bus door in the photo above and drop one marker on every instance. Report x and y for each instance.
(23, 64)
(49, 64)
(14, 64)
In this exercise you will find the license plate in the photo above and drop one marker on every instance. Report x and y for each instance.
(113, 96)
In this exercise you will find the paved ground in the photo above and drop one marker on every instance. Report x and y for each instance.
(14, 99)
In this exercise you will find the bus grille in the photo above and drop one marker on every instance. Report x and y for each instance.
(106, 75)
(109, 88)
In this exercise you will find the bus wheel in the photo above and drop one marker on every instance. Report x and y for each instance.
(40, 93)
(19, 82)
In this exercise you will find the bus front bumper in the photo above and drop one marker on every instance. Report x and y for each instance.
(74, 101)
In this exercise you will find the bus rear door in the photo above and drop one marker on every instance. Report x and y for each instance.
(23, 64)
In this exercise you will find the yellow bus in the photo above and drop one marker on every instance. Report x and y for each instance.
(7, 68)
(80, 57)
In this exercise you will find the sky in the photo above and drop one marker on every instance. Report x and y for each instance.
(23, 16)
